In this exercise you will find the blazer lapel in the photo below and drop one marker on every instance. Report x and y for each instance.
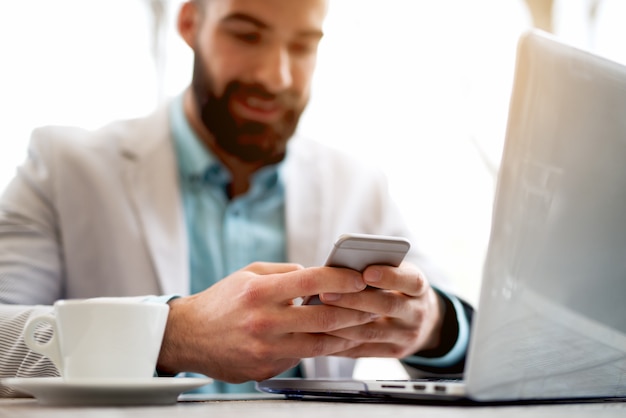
(306, 210)
(151, 181)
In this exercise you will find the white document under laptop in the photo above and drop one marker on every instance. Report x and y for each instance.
(551, 320)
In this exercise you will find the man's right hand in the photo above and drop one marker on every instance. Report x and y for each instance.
(246, 327)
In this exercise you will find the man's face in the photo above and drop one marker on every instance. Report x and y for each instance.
(254, 61)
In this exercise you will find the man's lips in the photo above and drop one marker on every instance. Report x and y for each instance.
(257, 109)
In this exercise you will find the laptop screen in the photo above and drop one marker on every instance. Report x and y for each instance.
(551, 318)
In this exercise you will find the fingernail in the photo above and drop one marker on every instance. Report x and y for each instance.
(359, 281)
(330, 297)
(373, 275)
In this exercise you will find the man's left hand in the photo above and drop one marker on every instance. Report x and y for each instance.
(411, 313)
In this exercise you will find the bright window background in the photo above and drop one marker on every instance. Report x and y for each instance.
(418, 87)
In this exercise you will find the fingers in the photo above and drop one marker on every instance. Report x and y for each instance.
(262, 359)
(375, 350)
(387, 303)
(392, 291)
(293, 280)
(407, 279)
(272, 268)
(293, 319)
(314, 345)
(320, 318)
(419, 328)
(286, 283)
(383, 338)
(380, 332)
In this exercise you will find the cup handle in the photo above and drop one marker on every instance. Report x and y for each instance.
(51, 347)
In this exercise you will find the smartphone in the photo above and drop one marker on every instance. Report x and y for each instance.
(357, 251)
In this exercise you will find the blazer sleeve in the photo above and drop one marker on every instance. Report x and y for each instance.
(30, 264)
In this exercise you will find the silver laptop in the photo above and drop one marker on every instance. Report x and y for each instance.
(551, 320)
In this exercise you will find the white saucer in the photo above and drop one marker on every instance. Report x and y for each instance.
(152, 391)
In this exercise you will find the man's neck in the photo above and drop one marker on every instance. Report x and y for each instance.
(241, 172)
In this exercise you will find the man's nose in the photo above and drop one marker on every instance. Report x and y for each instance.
(274, 70)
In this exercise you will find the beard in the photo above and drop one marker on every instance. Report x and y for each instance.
(250, 141)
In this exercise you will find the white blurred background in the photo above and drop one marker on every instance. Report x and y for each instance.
(419, 87)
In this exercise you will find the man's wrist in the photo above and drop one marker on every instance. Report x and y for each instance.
(454, 338)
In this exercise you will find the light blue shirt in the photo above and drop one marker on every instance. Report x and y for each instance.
(225, 235)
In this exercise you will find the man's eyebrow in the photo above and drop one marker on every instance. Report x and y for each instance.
(242, 17)
(313, 33)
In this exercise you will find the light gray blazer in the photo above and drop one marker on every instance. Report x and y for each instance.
(99, 213)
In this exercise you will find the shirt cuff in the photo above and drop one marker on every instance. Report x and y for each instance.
(458, 350)
(163, 299)
(160, 299)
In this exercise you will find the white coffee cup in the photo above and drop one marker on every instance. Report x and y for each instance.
(101, 338)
